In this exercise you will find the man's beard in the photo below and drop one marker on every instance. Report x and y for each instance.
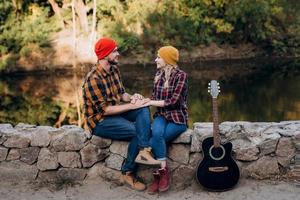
(112, 62)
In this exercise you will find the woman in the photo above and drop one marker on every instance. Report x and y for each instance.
(170, 120)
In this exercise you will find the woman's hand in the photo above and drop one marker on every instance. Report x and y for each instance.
(135, 98)
(140, 103)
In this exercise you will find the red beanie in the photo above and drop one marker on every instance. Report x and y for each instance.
(104, 47)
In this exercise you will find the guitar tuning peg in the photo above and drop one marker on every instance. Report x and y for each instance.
(218, 87)
(209, 84)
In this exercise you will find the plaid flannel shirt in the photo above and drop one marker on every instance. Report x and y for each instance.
(101, 89)
(175, 96)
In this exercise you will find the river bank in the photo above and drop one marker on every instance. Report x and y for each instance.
(60, 54)
(82, 67)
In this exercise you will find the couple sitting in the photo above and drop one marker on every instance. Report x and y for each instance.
(112, 113)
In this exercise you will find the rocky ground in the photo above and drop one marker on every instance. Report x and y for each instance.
(102, 190)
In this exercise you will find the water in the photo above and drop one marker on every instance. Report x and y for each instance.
(251, 90)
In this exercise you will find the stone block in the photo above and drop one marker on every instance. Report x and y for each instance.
(16, 171)
(69, 159)
(3, 153)
(13, 154)
(47, 160)
(91, 154)
(101, 142)
(264, 167)
(179, 153)
(29, 155)
(119, 147)
(249, 154)
(114, 161)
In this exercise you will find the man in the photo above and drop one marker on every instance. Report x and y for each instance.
(112, 113)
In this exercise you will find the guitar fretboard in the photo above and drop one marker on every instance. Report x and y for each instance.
(216, 131)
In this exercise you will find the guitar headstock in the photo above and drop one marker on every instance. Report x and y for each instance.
(214, 88)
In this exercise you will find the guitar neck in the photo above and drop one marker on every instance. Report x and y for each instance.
(216, 131)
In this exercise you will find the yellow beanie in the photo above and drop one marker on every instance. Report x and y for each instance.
(169, 54)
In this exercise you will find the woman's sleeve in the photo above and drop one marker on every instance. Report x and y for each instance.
(153, 96)
(180, 85)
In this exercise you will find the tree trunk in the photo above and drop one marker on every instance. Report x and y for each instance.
(74, 33)
(93, 33)
(76, 87)
(62, 116)
(56, 10)
(16, 7)
(82, 15)
(79, 123)
(94, 18)
(14, 4)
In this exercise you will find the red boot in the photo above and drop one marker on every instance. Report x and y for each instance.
(164, 182)
(153, 187)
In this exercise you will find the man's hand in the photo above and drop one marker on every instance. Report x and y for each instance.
(135, 98)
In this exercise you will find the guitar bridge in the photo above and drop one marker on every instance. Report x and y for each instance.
(218, 169)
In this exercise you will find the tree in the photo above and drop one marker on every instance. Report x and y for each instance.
(16, 7)
(74, 32)
(57, 12)
(82, 15)
(94, 22)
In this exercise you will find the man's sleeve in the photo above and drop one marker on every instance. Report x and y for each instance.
(121, 88)
(95, 92)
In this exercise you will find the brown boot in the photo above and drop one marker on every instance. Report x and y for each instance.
(164, 182)
(145, 157)
(153, 187)
(129, 180)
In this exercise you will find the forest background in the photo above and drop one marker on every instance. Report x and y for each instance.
(44, 34)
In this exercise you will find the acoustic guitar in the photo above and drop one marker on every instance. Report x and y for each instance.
(217, 171)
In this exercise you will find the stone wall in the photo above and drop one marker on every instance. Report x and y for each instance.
(47, 154)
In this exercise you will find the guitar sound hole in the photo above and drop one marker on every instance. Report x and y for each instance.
(217, 152)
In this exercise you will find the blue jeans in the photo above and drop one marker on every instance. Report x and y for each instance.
(163, 132)
(133, 126)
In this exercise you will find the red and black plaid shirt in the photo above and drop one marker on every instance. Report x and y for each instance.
(175, 96)
(101, 89)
